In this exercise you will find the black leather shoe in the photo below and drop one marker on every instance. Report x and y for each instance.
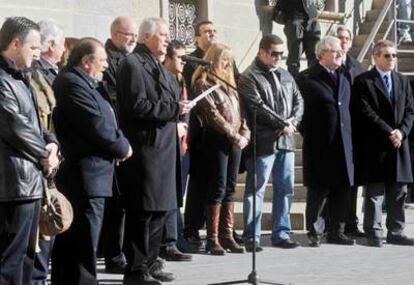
(314, 240)
(340, 238)
(115, 267)
(400, 240)
(249, 246)
(375, 242)
(193, 244)
(171, 253)
(287, 243)
(354, 231)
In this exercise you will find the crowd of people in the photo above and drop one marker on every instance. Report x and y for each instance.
(118, 129)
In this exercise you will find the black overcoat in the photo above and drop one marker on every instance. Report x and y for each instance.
(377, 159)
(148, 113)
(326, 129)
(90, 140)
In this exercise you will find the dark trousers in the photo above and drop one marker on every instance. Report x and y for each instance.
(173, 228)
(352, 219)
(302, 36)
(337, 211)
(194, 215)
(18, 233)
(112, 237)
(41, 263)
(170, 228)
(74, 252)
(222, 169)
(143, 235)
(395, 194)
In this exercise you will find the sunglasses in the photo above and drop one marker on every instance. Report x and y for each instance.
(276, 53)
(389, 55)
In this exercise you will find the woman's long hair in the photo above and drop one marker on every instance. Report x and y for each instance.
(214, 54)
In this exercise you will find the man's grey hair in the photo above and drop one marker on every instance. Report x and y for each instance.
(49, 31)
(325, 44)
(149, 27)
(342, 28)
(382, 44)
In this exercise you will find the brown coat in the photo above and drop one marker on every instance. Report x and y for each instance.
(221, 111)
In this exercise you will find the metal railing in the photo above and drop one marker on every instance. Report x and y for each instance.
(378, 23)
(389, 11)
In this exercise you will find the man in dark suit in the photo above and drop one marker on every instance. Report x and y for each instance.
(328, 167)
(28, 152)
(91, 142)
(384, 109)
(352, 68)
(124, 34)
(173, 239)
(302, 30)
(149, 108)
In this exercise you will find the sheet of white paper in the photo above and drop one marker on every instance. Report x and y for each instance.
(204, 94)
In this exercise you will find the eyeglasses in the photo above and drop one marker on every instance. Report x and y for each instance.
(276, 53)
(389, 55)
(132, 35)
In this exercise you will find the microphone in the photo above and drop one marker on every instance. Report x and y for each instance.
(188, 58)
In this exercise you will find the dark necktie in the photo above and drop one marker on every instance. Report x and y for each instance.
(334, 77)
(387, 83)
(388, 86)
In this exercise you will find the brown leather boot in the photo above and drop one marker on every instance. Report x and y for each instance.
(226, 229)
(213, 218)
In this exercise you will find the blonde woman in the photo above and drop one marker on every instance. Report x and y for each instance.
(226, 134)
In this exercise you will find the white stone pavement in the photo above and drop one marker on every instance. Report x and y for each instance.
(329, 264)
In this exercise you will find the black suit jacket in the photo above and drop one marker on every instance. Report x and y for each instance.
(87, 130)
(326, 129)
(378, 160)
(148, 113)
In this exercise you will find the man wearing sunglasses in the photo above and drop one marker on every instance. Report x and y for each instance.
(383, 107)
(271, 92)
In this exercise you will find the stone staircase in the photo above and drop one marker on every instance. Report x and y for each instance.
(404, 65)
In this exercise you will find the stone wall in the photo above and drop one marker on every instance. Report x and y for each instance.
(80, 18)
(236, 20)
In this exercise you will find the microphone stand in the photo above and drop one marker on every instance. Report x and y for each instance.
(253, 277)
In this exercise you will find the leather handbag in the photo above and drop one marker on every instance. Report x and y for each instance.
(56, 214)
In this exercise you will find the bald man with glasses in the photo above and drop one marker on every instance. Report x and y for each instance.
(124, 35)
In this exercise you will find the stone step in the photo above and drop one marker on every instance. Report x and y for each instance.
(297, 216)
(378, 4)
(359, 40)
(299, 193)
(367, 26)
(372, 15)
(405, 65)
(298, 176)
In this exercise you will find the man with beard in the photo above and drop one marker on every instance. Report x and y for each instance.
(124, 34)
